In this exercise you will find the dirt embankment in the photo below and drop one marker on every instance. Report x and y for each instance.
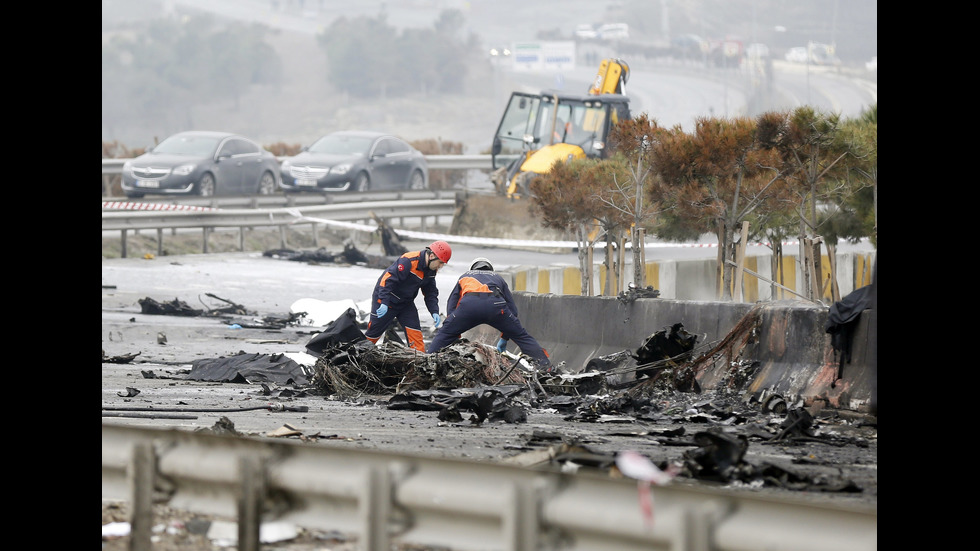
(499, 217)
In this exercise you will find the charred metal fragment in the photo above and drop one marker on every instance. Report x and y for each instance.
(231, 308)
(390, 242)
(718, 456)
(497, 403)
(175, 307)
(633, 293)
(663, 349)
(121, 359)
(350, 255)
(798, 422)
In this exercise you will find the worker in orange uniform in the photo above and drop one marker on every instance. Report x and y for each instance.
(481, 296)
(394, 295)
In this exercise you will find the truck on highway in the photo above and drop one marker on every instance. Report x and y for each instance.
(536, 130)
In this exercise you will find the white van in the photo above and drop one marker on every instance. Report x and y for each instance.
(585, 32)
(614, 31)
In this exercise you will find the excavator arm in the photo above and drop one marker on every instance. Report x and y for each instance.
(611, 78)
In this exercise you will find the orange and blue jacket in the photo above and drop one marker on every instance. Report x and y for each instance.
(400, 283)
(480, 281)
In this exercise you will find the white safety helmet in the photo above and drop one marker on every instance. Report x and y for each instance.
(481, 264)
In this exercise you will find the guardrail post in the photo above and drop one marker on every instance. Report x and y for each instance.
(159, 241)
(141, 484)
(375, 505)
(206, 233)
(122, 243)
(316, 235)
(253, 489)
(522, 520)
(241, 238)
(282, 237)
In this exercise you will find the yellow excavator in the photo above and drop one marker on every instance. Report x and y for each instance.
(538, 129)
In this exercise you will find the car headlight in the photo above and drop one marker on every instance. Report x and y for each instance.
(183, 170)
(127, 168)
(340, 169)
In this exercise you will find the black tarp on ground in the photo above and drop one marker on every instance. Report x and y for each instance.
(340, 331)
(250, 368)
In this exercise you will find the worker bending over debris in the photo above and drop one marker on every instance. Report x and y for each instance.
(394, 295)
(482, 296)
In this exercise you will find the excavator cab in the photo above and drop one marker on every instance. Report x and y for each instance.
(538, 129)
(561, 126)
(516, 131)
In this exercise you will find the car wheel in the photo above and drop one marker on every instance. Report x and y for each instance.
(206, 187)
(417, 181)
(267, 185)
(362, 183)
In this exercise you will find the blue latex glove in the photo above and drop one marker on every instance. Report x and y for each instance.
(436, 318)
(501, 345)
(381, 311)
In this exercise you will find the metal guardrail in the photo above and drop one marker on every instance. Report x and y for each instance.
(386, 498)
(209, 219)
(235, 218)
(282, 200)
(436, 162)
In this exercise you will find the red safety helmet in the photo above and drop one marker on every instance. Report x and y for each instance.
(442, 250)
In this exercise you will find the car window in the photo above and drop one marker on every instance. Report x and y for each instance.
(398, 146)
(237, 146)
(382, 148)
(246, 146)
(341, 145)
(198, 146)
(229, 148)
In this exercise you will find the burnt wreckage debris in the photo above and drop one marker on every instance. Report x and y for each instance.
(633, 293)
(351, 255)
(227, 314)
(470, 382)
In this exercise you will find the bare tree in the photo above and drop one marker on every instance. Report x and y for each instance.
(718, 177)
(562, 199)
(633, 140)
(814, 169)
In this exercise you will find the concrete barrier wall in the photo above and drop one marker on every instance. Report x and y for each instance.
(790, 353)
(697, 279)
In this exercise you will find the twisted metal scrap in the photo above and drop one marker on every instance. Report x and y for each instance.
(362, 368)
(729, 350)
(683, 376)
(463, 364)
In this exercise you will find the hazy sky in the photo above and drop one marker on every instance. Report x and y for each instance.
(299, 115)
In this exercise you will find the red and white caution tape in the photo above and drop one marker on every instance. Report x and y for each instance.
(125, 205)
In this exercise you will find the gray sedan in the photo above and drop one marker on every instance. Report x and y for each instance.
(202, 163)
(355, 161)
